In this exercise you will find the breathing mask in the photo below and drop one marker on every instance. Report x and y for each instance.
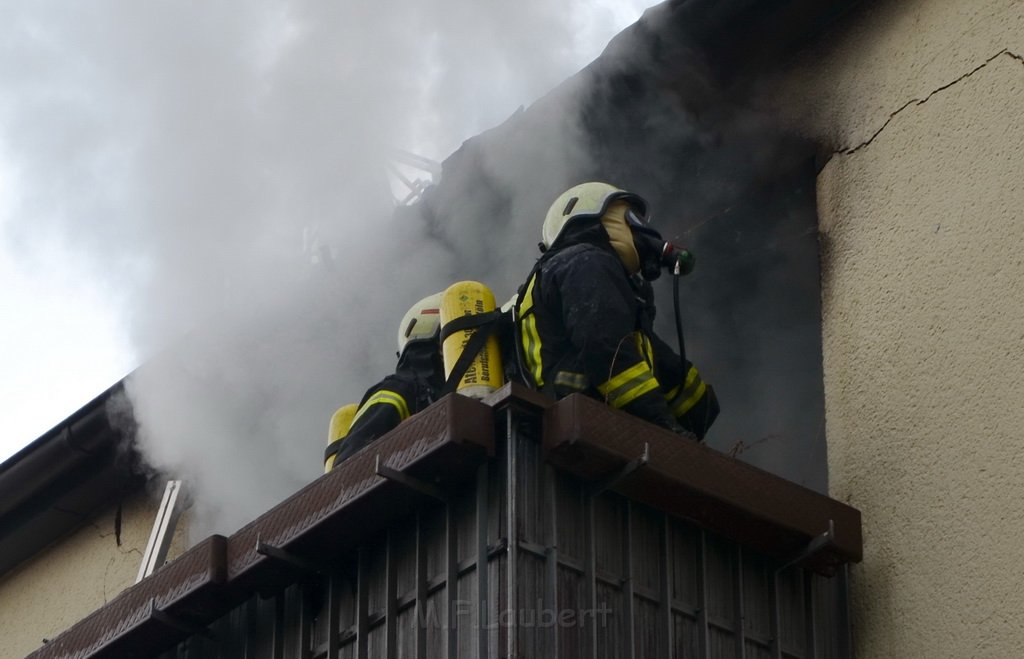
(655, 252)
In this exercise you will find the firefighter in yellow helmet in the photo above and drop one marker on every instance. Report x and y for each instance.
(417, 380)
(584, 316)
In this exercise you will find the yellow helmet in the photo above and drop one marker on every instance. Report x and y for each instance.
(587, 201)
(421, 322)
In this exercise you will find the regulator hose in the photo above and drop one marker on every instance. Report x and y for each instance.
(676, 275)
(682, 263)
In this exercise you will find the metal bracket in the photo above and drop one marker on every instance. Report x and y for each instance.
(410, 482)
(174, 622)
(817, 543)
(287, 557)
(627, 469)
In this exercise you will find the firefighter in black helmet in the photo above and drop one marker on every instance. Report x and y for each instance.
(417, 380)
(584, 316)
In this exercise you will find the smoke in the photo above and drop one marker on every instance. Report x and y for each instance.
(222, 167)
(664, 114)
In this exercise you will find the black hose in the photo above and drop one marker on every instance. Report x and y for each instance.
(679, 321)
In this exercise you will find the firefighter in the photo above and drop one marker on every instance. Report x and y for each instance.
(416, 383)
(584, 317)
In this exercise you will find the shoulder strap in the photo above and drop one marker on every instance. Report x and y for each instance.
(467, 322)
(333, 448)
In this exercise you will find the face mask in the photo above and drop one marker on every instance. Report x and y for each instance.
(650, 246)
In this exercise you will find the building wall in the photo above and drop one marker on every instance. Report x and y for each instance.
(921, 212)
(77, 575)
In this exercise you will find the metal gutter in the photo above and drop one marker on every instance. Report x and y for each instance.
(50, 487)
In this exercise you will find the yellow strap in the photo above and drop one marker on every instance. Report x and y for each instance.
(629, 385)
(385, 397)
(692, 391)
(531, 337)
(572, 380)
(645, 348)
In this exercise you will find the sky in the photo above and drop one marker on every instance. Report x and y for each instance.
(147, 149)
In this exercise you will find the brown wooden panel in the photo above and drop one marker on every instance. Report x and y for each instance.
(639, 555)
(441, 444)
(721, 584)
(646, 618)
(685, 637)
(611, 623)
(757, 593)
(569, 504)
(573, 603)
(792, 615)
(690, 480)
(608, 522)
(646, 549)
(685, 543)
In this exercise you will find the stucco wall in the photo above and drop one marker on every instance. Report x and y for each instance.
(922, 225)
(75, 576)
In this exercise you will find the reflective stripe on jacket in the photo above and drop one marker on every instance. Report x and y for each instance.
(412, 388)
(383, 397)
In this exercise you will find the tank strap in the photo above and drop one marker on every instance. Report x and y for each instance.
(333, 448)
(468, 322)
(476, 343)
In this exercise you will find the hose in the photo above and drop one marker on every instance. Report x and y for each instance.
(676, 275)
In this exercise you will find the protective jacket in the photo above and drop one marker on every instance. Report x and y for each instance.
(585, 325)
(413, 387)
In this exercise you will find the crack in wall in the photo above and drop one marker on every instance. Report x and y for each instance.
(124, 551)
(922, 101)
(120, 548)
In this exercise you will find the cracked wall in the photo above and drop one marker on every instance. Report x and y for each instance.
(77, 575)
(921, 212)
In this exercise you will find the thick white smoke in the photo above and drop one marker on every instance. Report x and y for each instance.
(191, 151)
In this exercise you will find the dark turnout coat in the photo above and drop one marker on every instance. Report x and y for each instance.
(583, 324)
(415, 384)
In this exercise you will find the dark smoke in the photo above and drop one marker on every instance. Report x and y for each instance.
(664, 114)
(188, 153)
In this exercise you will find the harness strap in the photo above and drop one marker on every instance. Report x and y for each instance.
(472, 348)
(468, 322)
(333, 448)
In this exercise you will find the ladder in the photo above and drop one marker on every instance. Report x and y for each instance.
(163, 530)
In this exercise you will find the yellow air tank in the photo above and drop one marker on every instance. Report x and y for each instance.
(485, 373)
(340, 424)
